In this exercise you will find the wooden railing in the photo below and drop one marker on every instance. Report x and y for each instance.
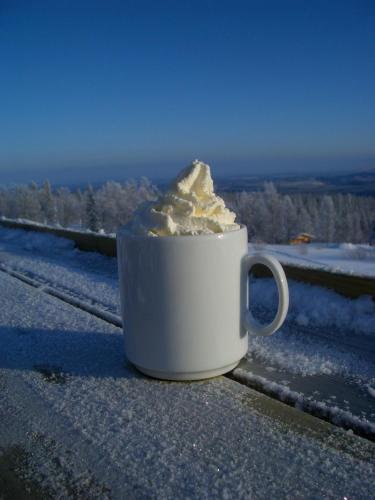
(345, 284)
(91, 242)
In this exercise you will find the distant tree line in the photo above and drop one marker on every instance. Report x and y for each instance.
(106, 208)
(269, 216)
(272, 217)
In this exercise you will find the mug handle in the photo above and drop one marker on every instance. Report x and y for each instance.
(252, 326)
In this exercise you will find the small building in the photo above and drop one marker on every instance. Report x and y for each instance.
(301, 238)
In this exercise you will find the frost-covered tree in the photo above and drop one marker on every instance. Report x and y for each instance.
(68, 208)
(3, 203)
(304, 222)
(118, 202)
(33, 208)
(48, 204)
(327, 220)
(372, 235)
(91, 210)
(243, 205)
(357, 230)
(21, 202)
(273, 223)
(290, 217)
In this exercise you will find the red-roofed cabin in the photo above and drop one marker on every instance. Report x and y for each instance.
(301, 238)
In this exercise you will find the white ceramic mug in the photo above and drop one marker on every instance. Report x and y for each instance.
(184, 302)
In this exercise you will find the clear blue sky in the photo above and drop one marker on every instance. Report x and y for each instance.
(147, 86)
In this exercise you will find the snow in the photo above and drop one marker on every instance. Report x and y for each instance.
(314, 306)
(29, 240)
(344, 258)
(327, 343)
(297, 399)
(371, 391)
(75, 228)
(66, 297)
(91, 426)
(325, 334)
(54, 262)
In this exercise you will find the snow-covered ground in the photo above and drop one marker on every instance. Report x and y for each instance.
(326, 349)
(346, 258)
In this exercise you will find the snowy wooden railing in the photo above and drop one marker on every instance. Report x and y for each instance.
(88, 241)
(345, 284)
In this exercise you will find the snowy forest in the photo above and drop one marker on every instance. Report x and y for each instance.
(270, 217)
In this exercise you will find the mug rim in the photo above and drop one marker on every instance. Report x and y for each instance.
(225, 234)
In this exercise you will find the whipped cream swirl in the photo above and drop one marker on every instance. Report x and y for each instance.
(189, 207)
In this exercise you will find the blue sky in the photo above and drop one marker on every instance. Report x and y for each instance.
(142, 87)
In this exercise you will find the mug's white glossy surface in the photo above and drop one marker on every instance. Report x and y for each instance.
(184, 302)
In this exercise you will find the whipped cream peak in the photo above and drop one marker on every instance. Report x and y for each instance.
(189, 207)
(196, 178)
